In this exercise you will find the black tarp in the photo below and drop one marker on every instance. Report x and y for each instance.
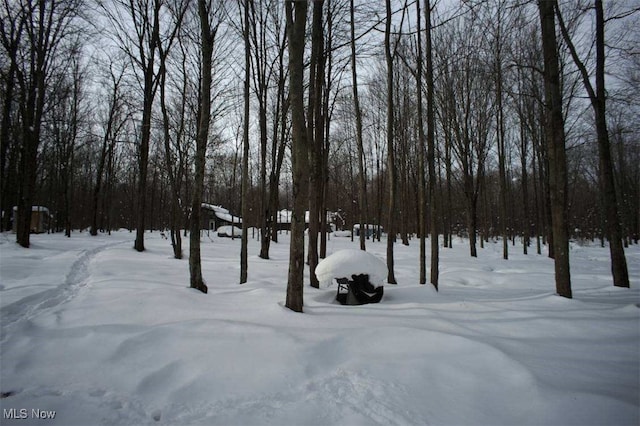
(358, 290)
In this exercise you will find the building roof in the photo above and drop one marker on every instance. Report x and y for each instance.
(222, 213)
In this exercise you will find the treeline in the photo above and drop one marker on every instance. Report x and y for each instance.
(425, 117)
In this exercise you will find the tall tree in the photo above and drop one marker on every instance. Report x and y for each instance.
(245, 146)
(142, 45)
(362, 182)
(422, 200)
(173, 167)
(315, 134)
(280, 122)
(11, 32)
(114, 122)
(391, 167)
(296, 12)
(65, 119)
(467, 109)
(431, 160)
(554, 121)
(498, 58)
(262, 69)
(207, 37)
(597, 97)
(32, 34)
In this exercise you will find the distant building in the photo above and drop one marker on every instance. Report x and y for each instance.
(283, 220)
(40, 219)
(370, 230)
(213, 217)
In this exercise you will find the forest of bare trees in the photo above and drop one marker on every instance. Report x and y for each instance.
(460, 122)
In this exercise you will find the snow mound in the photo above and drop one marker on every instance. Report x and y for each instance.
(229, 231)
(345, 263)
(342, 234)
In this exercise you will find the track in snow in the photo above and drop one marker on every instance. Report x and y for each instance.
(31, 306)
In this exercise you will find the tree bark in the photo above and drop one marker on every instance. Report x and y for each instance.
(207, 36)
(362, 182)
(422, 191)
(431, 159)
(245, 148)
(391, 166)
(501, 140)
(174, 185)
(296, 12)
(145, 130)
(555, 149)
(607, 182)
(315, 133)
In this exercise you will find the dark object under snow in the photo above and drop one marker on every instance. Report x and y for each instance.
(358, 291)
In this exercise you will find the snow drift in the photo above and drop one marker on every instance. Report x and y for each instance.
(102, 334)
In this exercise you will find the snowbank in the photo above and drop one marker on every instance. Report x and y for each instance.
(343, 234)
(345, 263)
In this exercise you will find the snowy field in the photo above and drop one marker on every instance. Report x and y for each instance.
(96, 333)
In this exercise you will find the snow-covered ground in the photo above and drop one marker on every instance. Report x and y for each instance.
(101, 334)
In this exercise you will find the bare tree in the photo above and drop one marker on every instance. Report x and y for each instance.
(556, 148)
(65, 119)
(498, 59)
(32, 34)
(115, 120)
(296, 12)
(466, 109)
(146, 46)
(11, 32)
(597, 97)
(431, 160)
(208, 32)
(362, 183)
(391, 167)
(280, 123)
(245, 145)
(172, 170)
(315, 134)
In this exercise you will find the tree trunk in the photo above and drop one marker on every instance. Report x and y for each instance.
(422, 199)
(244, 264)
(207, 37)
(315, 133)
(556, 149)
(607, 184)
(264, 207)
(143, 157)
(391, 166)
(501, 148)
(431, 159)
(526, 232)
(296, 12)
(145, 130)
(362, 183)
(472, 212)
(6, 206)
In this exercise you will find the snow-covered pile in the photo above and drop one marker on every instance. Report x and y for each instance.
(345, 263)
(229, 231)
(344, 234)
(103, 335)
